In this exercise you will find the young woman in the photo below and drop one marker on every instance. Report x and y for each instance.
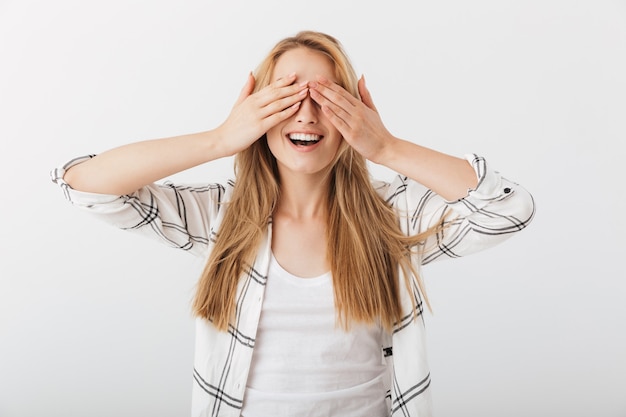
(311, 300)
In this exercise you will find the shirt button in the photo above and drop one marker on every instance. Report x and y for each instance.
(507, 190)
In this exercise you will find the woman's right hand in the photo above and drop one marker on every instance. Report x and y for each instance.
(125, 169)
(254, 114)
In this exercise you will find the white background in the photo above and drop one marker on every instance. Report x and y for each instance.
(96, 322)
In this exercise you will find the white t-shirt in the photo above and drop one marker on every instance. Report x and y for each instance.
(304, 364)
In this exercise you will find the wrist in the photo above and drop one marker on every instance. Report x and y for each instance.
(386, 153)
(218, 145)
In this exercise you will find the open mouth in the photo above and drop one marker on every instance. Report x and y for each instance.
(304, 139)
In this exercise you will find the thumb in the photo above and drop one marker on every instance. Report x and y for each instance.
(366, 97)
(247, 89)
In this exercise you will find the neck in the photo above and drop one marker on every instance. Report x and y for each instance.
(303, 196)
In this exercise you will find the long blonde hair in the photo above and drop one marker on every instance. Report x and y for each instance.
(366, 247)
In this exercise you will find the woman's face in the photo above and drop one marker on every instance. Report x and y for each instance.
(307, 142)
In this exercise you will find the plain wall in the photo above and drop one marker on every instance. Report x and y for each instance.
(96, 322)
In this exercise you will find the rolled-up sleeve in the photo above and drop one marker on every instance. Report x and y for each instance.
(180, 216)
(489, 214)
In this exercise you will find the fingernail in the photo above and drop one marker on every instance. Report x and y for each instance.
(322, 79)
(313, 84)
(304, 92)
(303, 84)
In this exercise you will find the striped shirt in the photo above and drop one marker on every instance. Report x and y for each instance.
(188, 217)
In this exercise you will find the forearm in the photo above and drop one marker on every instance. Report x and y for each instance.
(449, 176)
(127, 168)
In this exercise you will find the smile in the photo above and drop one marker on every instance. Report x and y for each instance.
(304, 139)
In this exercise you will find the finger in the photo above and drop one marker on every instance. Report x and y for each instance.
(283, 103)
(284, 81)
(366, 97)
(275, 118)
(335, 92)
(247, 89)
(280, 89)
(337, 116)
(335, 112)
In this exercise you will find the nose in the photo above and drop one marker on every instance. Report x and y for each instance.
(308, 111)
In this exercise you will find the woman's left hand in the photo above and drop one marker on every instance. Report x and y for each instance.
(357, 120)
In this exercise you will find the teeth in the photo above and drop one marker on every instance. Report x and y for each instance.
(305, 137)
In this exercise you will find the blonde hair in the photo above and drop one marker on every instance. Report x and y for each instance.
(366, 248)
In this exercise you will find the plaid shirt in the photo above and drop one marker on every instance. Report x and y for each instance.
(188, 216)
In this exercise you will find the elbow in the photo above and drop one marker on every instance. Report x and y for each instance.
(526, 208)
(71, 178)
